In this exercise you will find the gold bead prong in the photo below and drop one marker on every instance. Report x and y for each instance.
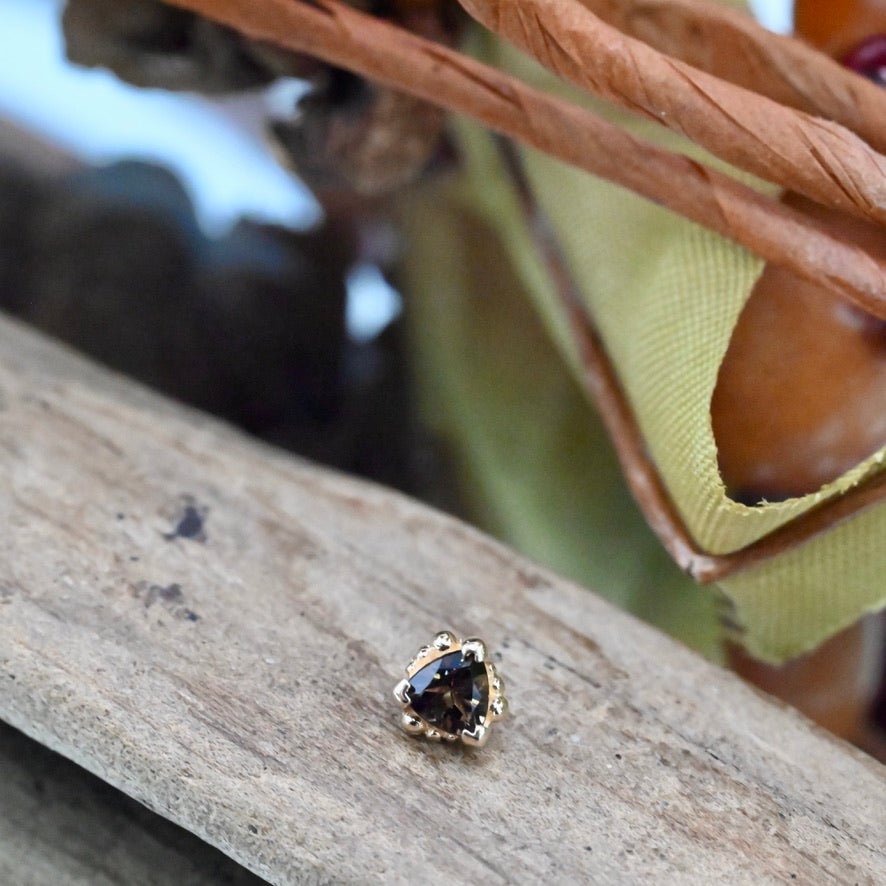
(474, 648)
(401, 692)
(477, 737)
(412, 724)
(499, 708)
(418, 658)
(445, 640)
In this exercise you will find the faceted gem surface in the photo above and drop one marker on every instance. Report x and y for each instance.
(451, 693)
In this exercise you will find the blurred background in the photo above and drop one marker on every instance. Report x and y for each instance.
(87, 116)
(158, 232)
(109, 188)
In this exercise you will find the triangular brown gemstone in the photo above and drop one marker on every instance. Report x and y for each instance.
(451, 693)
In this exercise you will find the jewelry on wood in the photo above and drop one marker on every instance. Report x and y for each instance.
(452, 691)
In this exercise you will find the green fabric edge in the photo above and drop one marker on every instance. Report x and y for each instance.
(650, 278)
(535, 463)
(787, 605)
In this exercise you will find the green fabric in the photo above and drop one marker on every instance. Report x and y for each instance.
(665, 296)
(800, 598)
(536, 466)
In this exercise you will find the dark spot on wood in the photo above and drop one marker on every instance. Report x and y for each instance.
(171, 597)
(593, 647)
(170, 594)
(191, 522)
(532, 580)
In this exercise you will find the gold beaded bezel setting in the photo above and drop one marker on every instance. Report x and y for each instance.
(473, 651)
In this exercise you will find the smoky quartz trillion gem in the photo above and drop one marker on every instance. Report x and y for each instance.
(451, 693)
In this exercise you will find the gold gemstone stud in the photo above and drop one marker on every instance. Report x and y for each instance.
(452, 691)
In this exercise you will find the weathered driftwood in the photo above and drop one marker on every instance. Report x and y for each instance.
(61, 825)
(215, 629)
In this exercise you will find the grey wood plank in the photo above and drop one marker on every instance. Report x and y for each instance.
(238, 680)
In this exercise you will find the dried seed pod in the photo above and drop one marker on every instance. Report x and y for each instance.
(801, 395)
(149, 43)
(801, 398)
(350, 135)
(347, 135)
(838, 26)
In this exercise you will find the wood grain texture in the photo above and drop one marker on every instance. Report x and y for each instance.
(235, 675)
(61, 826)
